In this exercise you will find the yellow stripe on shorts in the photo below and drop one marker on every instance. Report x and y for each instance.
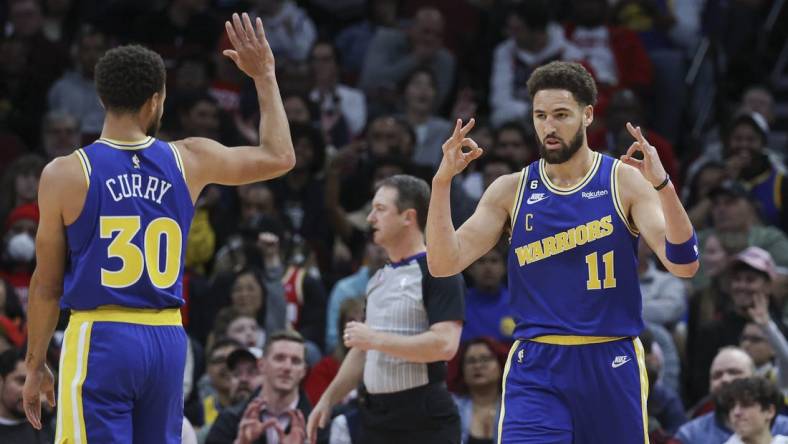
(73, 371)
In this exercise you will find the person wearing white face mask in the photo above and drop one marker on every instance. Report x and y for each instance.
(19, 248)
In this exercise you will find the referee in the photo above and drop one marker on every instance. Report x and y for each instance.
(413, 325)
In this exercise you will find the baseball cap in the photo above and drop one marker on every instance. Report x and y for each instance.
(729, 188)
(756, 258)
(756, 120)
(236, 356)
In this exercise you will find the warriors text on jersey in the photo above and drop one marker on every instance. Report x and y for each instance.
(572, 264)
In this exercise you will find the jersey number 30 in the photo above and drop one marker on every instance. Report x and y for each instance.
(135, 260)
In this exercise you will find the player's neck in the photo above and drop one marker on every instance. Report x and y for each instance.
(572, 171)
(408, 245)
(123, 127)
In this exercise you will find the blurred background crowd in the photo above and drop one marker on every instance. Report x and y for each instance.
(371, 88)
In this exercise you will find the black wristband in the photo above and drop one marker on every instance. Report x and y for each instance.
(664, 182)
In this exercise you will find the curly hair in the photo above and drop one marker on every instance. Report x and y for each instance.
(127, 76)
(569, 76)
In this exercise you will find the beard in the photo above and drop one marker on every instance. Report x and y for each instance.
(564, 153)
(155, 125)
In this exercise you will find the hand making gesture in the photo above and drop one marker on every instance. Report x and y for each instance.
(38, 382)
(251, 51)
(454, 159)
(650, 167)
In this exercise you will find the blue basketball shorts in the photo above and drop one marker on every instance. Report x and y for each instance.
(579, 394)
(121, 377)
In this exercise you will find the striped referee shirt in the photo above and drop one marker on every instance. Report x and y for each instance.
(404, 299)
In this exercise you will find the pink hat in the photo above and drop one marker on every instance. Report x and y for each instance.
(758, 259)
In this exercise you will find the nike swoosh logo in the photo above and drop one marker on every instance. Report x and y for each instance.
(531, 199)
(619, 364)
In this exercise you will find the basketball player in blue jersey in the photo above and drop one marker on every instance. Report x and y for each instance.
(575, 373)
(110, 248)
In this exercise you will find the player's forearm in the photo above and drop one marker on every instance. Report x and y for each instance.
(274, 129)
(442, 242)
(678, 228)
(348, 377)
(43, 312)
(424, 347)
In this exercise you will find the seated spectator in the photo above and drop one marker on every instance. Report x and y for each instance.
(14, 427)
(736, 224)
(419, 92)
(350, 287)
(216, 384)
(283, 366)
(321, 375)
(750, 282)
(19, 249)
(343, 110)
(288, 29)
(393, 54)
(756, 340)
(663, 294)
(616, 55)
(730, 364)
(750, 160)
(750, 406)
(60, 134)
(665, 410)
(487, 310)
(480, 374)
(353, 41)
(697, 201)
(12, 316)
(75, 93)
(242, 327)
(244, 365)
(19, 184)
(534, 40)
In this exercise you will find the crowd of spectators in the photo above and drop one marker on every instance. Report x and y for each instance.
(274, 270)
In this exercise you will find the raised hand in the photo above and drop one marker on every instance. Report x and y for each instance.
(650, 167)
(37, 383)
(251, 51)
(454, 159)
(759, 310)
(297, 433)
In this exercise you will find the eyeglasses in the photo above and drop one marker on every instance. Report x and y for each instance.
(479, 360)
(751, 338)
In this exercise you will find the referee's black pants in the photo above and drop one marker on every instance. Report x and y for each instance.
(425, 414)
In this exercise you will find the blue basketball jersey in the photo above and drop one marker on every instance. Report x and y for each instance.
(127, 246)
(572, 262)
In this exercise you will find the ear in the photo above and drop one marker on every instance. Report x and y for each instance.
(588, 116)
(410, 216)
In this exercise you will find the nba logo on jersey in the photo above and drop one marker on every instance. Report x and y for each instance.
(136, 161)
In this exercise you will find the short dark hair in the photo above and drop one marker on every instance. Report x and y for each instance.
(569, 76)
(412, 192)
(9, 360)
(282, 335)
(749, 391)
(224, 342)
(127, 76)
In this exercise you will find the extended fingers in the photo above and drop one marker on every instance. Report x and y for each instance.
(468, 127)
(249, 29)
(234, 38)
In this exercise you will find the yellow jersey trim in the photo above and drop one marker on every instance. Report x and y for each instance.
(641, 358)
(116, 313)
(574, 340)
(503, 387)
(83, 160)
(518, 197)
(569, 190)
(178, 159)
(617, 198)
(124, 145)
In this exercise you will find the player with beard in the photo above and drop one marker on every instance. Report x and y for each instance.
(576, 371)
(111, 242)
